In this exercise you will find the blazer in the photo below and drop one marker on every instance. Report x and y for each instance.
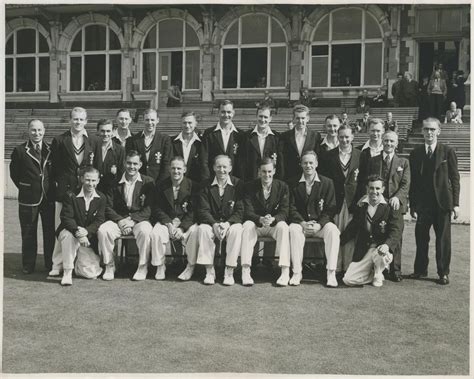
(319, 206)
(213, 209)
(445, 179)
(386, 227)
(345, 187)
(157, 167)
(288, 149)
(164, 208)
(111, 168)
(141, 201)
(277, 205)
(196, 166)
(31, 176)
(65, 169)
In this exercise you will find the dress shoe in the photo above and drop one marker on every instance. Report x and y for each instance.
(418, 275)
(284, 277)
(443, 280)
(109, 272)
(141, 273)
(210, 278)
(67, 278)
(54, 272)
(296, 279)
(246, 278)
(229, 276)
(377, 281)
(331, 277)
(160, 272)
(187, 273)
(396, 277)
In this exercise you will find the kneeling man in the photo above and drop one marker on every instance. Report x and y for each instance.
(81, 215)
(376, 228)
(312, 211)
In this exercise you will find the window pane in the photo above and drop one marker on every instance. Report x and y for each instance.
(150, 40)
(229, 66)
(322, 32)
(115, 71)
(75, 74)
(450, 20)
(149, 71)
(95, 38)
(319, 72)
(278, 67)
(114, 42)
(255, 29)
(192, 69)
(232, 34)
(26, 41)
(94, 72)
(25, 75)
(345, 65)
(253, 64)
(43, 44)
(44, 73)
(319, 50)
(347, 24)
(277, 32)
(373, 64)
(9, 75)
(9, 45)
(77, 43)
(176, 67)
(191, 37)
(170, 33)
(427, 20)
(372, 29)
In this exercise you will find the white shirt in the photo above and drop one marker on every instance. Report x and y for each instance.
(87, 200)
(129, 188)
(176, 189)
(262, 138)
(389, 155)
(345, 157)
(187, 146)
(106, 148)
(433, 147)
(122, 140)
(371, 209)
(266, 191)
(148, 142)
(330, 146)
(226, 134)
(300, 137)
(309, 185)
(221, 188)
(374, 151)
(78, 141)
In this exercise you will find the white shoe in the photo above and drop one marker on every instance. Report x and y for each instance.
(331, 276)
(54, 272)
(109, 272)
(141, 273)
(229, 276)
(246, 278)
(284, 277)
(296, 279)
(160, 272)
(377, 281)
(210, 276)
(67, 278)
(187, 273)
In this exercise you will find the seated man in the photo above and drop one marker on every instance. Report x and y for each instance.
(220, 212)
(379, 100)
(362, 124)
(313, 205)
(128, 213)
(390, 123)
(82, 213)
(453, 114)
(266, 202)
(173, 212)
(376, 228)
(363, 102)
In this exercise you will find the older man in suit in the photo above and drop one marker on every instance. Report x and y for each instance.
(434, 198)
(30, 170)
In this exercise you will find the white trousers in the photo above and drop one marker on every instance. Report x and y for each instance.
(87, 263)
(207, 246)
(279, 233)
(329, 233)
(346, 251)
(57, 256)
(109, 231)
(160, 244)
(371, 265)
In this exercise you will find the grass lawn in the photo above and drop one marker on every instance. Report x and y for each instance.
(412, 327)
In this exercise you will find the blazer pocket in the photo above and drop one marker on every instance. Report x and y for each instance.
(24, 184)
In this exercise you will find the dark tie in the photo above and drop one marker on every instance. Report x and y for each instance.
(38, 150)
(430, 152)
(386, 165)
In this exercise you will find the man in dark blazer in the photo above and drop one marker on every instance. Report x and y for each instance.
(30, 170)
(154, 148)
(376, 228)
(224, 139)
(294, 142)
(434, 198)
(82, 213)
(312, 208)
(266, 202)
(128, 213)
(372, 147)
(220, 212)
(173, 211)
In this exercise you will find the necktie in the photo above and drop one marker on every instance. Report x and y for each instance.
(386, 165)
(430, 152)
(38, 150)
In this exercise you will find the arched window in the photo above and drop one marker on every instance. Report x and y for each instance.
(95, 60)
(254, 53)
(171, 56)
(347, 50)
(27, 62)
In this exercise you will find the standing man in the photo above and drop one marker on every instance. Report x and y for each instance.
(409, 91)
(30, 170)
(434, 198)
(122, 132)
(294, 142)
(396, 90)
(312, 209)
(154, 148)
(330, 141)
(372, 147)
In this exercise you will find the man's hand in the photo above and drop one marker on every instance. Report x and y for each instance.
(216, 228)
(383, 249)
(176, 222)
(312, 227)
(84, 241)
(267, 220)
(413, 213)
(224, 227)
(177, 235)
(81, 232)
(394, 203)
(455, 213)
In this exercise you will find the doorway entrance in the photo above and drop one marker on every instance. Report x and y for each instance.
(432, 53)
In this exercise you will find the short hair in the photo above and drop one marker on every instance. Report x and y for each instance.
(374, 178)
(104, 121)
(399, 74)
(89, 170)
(189, 114)
(222, 156)
(34, 120)
(390, 132)
(309, 152)
(300, 108)
(266, 160)
(332, 117)
(344, 113)
(124, 110)
(432, 119)
(150, 110)
(78, 110)
(133, 153)
(177, 158)
(345, 127)
(265, 107)
(375, 121)
(226, 102)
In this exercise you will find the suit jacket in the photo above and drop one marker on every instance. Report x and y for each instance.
(392, 125)
(319, 206)
(364, 125)
(288, 149)
(31, 175)
(445, 178)
(213, 209)
(157, 166)
(109, 175)
(363, 162)
(141, 201)
(277, 205)
(196, 166)
(386, 227)
(65, 169)
(165, 208)
(345, 187)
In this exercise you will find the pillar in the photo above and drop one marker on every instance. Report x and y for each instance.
(54, 63)
(207, 65)
(127, 55)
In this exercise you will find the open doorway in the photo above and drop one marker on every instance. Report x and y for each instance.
(433, 53)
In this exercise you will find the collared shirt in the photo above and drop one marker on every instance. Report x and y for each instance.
(309, 186)
(129, 188)
(36, 146)
(221, 188)
(371, 209)
(122, 140)
(187, 145)
(266, 191)
(226, 133)
(433, 148)
(87, 200)
(374, 151)
(300, 137)
(384, 155)
(262, 138)
(106, 148)
(148, 140)
(78, 144)
(330, 146)
(345, 157)
(176, 188)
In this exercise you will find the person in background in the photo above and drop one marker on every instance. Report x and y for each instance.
(390, 123)
(363, 102)
(409, 91)
(266, 101)
(363, 123)
(424, 110)
(175, 98)
(305, 98)
(396, 90)
(379, 100)
(437, 91)
(453, 114)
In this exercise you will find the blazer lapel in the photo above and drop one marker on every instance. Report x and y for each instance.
(183, 190)
(309, 140)
(92, 208)
(178, 145)
(395, 165)
(141, 146)
(438, 153)
(169, 195)
(136, 193)
(45, 153)
(218, 137)
(29, 152)
(215, 194)
(377, 215)
(70, 147)
(301, 190)
(254, 142)
(293, 140)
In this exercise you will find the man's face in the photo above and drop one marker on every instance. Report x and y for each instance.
(36, 131)
(375, 191)
(226, 114)
(300, 119)
(78, 121)
(177, 170)
(366, 115)
(344, 116)
(309, 164)
(430, 132)
(133, 165)
(123, 120)
(106, 132)
(399, 77)
(390, 142)
(188, 124)
(365, 93)
(222, 168)
(332, 126)
(151, 120)
(266, 173)
(264, 118)
(389, 116)
(90, 181)
(345, 137)
(452, 106)
(376, 131)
